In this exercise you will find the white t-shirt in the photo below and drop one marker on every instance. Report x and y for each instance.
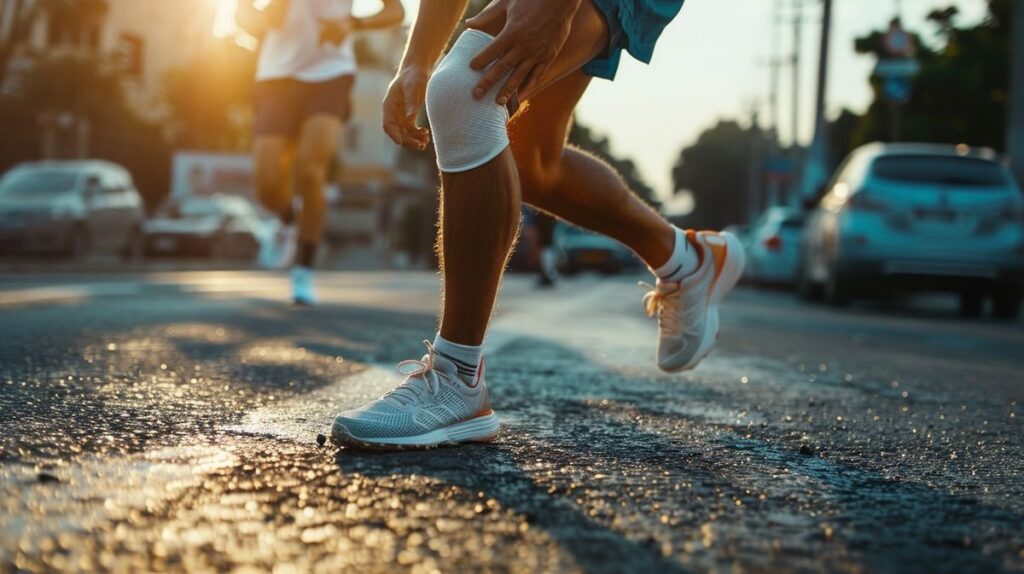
(294, 51)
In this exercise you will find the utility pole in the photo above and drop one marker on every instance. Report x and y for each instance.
(815, 172)
(756, 171)
(797, 46)
(776, 67)
(1015, 125)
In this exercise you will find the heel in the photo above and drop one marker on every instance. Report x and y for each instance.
(735, 263)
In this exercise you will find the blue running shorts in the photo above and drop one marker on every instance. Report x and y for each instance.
(633, 26)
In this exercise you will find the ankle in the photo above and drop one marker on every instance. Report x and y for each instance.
(684, 261)
(466, 358)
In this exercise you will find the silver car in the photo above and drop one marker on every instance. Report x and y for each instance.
(921, 217)
(773, 246)
(73, 208)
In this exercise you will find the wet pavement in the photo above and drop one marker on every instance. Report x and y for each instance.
(167, 422)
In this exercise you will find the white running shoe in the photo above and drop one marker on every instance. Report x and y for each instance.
(688, 310)
(303, 292)
(432, 407)
(278, 250)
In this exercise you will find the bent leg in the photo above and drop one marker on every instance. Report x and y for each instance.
(272, 156)
(577, 186)
(480, 207)
(317, 143)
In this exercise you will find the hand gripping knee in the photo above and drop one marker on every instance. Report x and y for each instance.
(467, 132)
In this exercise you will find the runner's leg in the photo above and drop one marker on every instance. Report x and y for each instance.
(480, 209)
(272, 156)
(318, 140)
(575, 185)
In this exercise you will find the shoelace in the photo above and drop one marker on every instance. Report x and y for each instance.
(421, 370)
(665, 302)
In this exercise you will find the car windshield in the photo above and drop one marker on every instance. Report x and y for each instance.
(941, 170)
(38, 182)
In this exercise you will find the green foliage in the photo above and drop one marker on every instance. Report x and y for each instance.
(716, 170)
(584, 138)
(960, 95)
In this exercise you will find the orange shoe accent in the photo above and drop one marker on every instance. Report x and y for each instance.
(482, 413)
(720, 251)
(691, 236)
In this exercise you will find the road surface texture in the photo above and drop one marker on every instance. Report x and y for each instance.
(168, 422)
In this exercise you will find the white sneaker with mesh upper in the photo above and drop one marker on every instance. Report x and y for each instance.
(277, 249)
(688, 310)
(432, 407)
(303, 293)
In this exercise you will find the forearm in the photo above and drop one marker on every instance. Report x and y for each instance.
(390, 15)
(434, 25)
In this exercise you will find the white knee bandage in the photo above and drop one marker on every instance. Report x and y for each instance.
(467, 132)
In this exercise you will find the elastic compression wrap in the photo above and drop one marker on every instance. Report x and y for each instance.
(467, 132)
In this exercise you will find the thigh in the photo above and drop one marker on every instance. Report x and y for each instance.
(539, 131)
(318, 141)
(278, 108)
(587, 39)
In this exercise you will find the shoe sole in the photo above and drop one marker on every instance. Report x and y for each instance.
(480, 429)
(734, 264)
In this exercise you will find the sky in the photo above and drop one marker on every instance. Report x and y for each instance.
(712, 63)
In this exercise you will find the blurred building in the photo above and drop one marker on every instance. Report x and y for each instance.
(142, 38)
(387, 194)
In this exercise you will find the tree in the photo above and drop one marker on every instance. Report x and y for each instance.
(88, 90)
(25, 13)
(960, 95)
(716, 170)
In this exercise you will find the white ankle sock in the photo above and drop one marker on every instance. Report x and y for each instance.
(683, 261)
(466, 358)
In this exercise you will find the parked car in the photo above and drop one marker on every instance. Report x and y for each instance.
(773, 246)
(220, 226)
(581, 250)
(73, 208)
(921, 217)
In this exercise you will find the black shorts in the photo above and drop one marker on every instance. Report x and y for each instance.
(282, 106)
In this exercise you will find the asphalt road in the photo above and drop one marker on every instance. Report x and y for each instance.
(167, 422)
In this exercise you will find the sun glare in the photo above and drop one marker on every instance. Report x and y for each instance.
(224, 23)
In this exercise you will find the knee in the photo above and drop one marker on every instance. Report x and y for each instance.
(467, 132)
(310, 175)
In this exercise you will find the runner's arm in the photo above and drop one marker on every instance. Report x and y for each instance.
(434, 25)
(257, 22)
(435, 22)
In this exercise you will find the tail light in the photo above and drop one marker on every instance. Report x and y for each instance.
(773, 243)
(864, 202)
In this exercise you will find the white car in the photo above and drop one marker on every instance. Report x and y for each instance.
(918, 217)
(773, 246)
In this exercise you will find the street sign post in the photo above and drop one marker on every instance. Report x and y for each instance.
(897, 66)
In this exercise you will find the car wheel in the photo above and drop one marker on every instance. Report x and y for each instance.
(837, 289)
(78, 243)
(1006, 304)
(135, 248)
(971, 304)
(807, 288)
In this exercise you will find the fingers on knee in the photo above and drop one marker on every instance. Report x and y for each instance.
(468, 132)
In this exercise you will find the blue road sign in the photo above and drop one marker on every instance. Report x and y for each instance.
(897, 90)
